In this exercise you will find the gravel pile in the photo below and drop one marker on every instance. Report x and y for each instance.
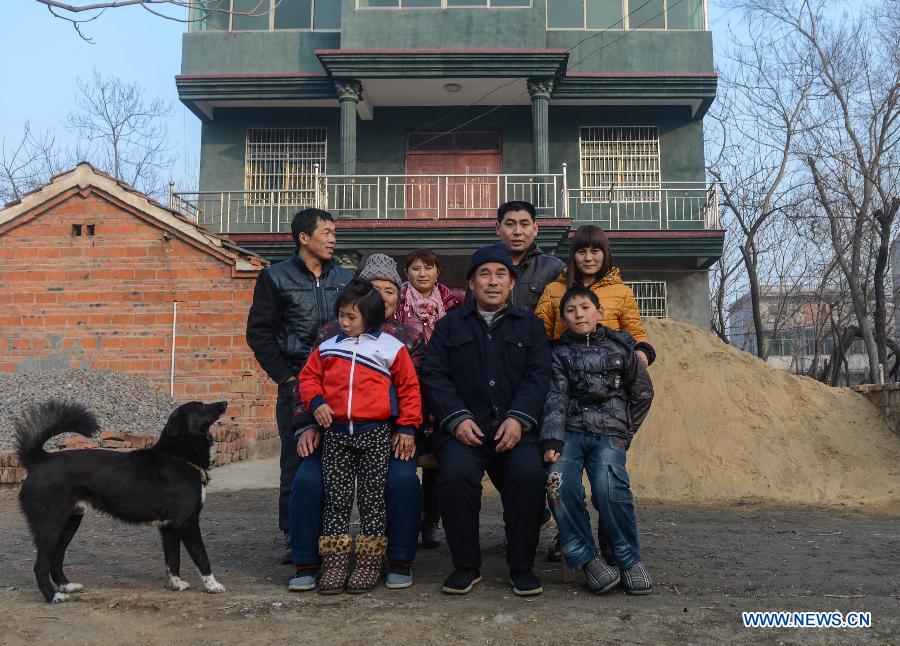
(120, 402)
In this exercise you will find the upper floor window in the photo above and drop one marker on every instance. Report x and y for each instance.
(280, 164)
(626, 14)
(266, 15)
(622, 161)
(438, 4)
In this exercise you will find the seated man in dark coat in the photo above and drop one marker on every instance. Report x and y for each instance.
(487, 373)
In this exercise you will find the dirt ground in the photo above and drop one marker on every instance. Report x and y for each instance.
(709, 565)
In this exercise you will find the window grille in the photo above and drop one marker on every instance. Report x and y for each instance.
(622, 162)
(283, 160)
(650, 296)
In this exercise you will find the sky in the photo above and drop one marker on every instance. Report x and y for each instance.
(43, 57)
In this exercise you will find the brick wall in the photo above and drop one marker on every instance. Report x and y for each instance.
(105, 302)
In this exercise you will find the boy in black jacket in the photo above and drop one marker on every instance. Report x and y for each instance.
(599, 396)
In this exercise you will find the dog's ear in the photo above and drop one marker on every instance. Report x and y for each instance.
(174, 424)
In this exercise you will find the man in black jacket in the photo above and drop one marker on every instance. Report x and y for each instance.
(487, 373)
(291, 301)
(517, 229)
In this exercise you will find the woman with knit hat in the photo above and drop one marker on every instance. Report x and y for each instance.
(423, 302)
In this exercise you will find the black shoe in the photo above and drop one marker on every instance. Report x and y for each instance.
(525, 584)
(287, 556)
(461, 581)
(554, 553)
(430, 536)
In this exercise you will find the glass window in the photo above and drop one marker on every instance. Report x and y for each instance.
(466, 3)
(510, 3)
(647, 14)
(293, 14)
(379, 3)
(327, 15)
(687, 14)
(211, 15)
(249, 15)
(565, 14)
(605, 14)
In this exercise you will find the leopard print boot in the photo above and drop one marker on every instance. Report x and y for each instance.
(369, 552)
(335, 553)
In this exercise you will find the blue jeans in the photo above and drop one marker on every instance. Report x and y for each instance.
(404, 507)
(604, 459)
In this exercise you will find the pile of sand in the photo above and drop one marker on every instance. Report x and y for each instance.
(724, 426)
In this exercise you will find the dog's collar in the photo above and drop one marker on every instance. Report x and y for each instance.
(204, 476)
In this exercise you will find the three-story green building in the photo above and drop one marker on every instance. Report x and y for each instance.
(411, 120)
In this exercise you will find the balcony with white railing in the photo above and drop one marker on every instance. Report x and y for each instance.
(664, 206)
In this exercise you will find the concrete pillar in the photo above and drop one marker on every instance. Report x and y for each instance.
(540, 91)
(349, 93)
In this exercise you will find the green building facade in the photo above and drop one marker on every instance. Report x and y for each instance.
(411, 120)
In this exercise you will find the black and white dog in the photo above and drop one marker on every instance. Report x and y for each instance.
(164, 485)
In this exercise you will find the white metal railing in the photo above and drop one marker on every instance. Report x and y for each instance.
(667, 205)
(374, 197)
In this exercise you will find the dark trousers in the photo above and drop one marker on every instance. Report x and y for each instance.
(431, 509)
(518, 474)
(289, 458)
(351, 460)
(404, 505)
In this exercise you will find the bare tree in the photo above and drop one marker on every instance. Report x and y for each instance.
(184, 11)
(28, 162)
(125, 133)
(767, 86)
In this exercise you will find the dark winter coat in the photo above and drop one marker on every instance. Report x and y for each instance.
(535, 271)
(599, 387)
(487, 373)
(289, 306)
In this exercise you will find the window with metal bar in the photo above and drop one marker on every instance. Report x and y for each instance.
(621, 162)
(281, 164)
(650, 296)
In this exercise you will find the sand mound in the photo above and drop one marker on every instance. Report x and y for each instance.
(726, 427)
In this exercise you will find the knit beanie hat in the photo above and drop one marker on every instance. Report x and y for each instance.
(381, 267)
(491, 253)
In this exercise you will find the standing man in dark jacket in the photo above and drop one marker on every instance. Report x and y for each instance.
(517, 230)
(291, 301)
(487, 373)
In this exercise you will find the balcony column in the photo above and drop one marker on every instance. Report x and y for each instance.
(349, 93)
(540, 91)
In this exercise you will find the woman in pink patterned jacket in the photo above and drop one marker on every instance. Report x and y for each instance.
(423, 302)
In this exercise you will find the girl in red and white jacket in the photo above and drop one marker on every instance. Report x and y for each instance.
(359, 385)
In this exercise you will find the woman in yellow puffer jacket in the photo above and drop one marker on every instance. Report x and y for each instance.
(590, 263)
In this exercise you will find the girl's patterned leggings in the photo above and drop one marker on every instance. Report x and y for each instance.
(349, 459)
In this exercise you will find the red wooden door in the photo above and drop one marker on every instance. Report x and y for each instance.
(476, 195)
(422, 198)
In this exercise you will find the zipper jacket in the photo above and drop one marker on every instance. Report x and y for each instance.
(366, 380)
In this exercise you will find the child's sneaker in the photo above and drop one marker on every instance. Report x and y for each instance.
(599, 576)
(637, 580)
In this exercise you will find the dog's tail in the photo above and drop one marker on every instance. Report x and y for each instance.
(39, 423)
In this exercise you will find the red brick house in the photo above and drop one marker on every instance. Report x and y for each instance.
(90, 272)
